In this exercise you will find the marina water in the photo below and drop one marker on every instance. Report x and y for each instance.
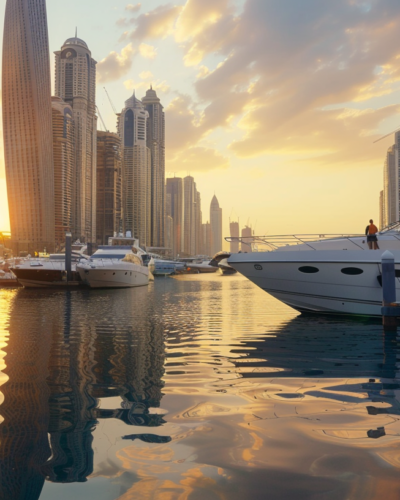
(199, 387)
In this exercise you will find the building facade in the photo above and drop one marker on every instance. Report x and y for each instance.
(247, 240)
(206, 229)
(216, 226)
(136, 170)
(75, 83)
(156, 144)
(174, 209)
(27, 125)
(235, 233)
(390, 187)
(190, 216)
(64, 168)
(109, 187)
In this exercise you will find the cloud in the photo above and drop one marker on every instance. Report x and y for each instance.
(147, 51)
(146, 75)
(133, 8)
(115, 65)
(158, 85)
(197, 159)
(158, 23)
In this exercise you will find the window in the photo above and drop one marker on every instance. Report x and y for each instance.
(352, 271)
(308, 270)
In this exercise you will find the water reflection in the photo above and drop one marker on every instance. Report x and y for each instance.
(62, 360)
(254, 396)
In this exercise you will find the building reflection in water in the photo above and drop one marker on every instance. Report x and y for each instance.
(62, 358)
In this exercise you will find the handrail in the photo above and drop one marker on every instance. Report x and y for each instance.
(277, 241)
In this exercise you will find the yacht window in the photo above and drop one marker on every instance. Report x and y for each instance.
(107, 256)
(352, 271)
(308, 270)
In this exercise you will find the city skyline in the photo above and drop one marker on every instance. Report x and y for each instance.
(220, 121)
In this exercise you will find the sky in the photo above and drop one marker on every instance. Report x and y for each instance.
(272, 105)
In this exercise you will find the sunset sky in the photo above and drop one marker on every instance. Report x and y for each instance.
(271, 104)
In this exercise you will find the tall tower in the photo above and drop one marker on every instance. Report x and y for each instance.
(190, 220)
(64, 166)
(28, 148)
(234, 229)
(76, 85)
(216, 226)
(390, 188)
(109, 195)
(174, 209)
(156, 145)
(136, 170)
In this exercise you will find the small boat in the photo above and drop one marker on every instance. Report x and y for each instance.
(115, 266)
(8, 280)
(221, 261)
(160, 267)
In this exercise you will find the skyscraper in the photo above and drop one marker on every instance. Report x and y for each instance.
(199, 225)
(136, 170)
(75, 83)
(216, 226)
(381, 210)
(206, 228)
(109, 185)
(156, 144)
(174, 209)
(234, 229)
(247, 240)
(27, 125)
(64, 167)
(390, 188)
(190, 219)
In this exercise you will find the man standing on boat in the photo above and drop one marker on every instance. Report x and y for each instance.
(372, 239)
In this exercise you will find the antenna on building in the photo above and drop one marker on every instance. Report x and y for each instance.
(76, 32)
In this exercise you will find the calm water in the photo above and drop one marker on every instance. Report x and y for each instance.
(193, 388)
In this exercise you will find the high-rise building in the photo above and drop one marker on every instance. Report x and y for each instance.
(64, 167)
(199, 225)
(381, 210)
(27, 125)
(190, 216)
(390, 188)
(247, 240)
(206, 228)
(174, 209)
(156, 144)
(169, 234)
(216, 226)
(109, 186)
(75, 83)
(234, 230)
(136, 170)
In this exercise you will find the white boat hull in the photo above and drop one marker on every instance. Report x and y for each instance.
(113, 278)
(329, 289)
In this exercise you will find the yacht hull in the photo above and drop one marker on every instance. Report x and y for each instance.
(327, 282)
(113, 278)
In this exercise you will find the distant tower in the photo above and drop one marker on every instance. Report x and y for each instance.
(28, 148)
(136, 170)
(190, 218)
(247, 239)
(216, 226)
(174, 209)
(381, 210)
(390, 188)
(75, 83)
(109, 185)
(206, 228)
(64, 166)
(156, 144)
(234, 229)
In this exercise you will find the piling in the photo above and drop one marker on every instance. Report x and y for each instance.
(390, 308)
(68, 256)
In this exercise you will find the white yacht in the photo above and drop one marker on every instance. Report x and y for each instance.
(334, 274)
(115, 266)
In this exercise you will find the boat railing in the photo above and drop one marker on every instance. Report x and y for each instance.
(274, 242)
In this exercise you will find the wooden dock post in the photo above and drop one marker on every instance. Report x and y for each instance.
(390, 308)
(68, 256)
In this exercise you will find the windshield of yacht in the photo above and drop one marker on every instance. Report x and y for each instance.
(108, 256)
(395, 227)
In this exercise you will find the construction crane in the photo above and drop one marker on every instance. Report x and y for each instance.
(109, 98)
(387, 135)
(102, 121)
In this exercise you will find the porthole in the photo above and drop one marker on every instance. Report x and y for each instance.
(352, 271)
(258, 267)
(308, 269)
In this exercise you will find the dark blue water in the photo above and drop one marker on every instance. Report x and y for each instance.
(201, 387)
